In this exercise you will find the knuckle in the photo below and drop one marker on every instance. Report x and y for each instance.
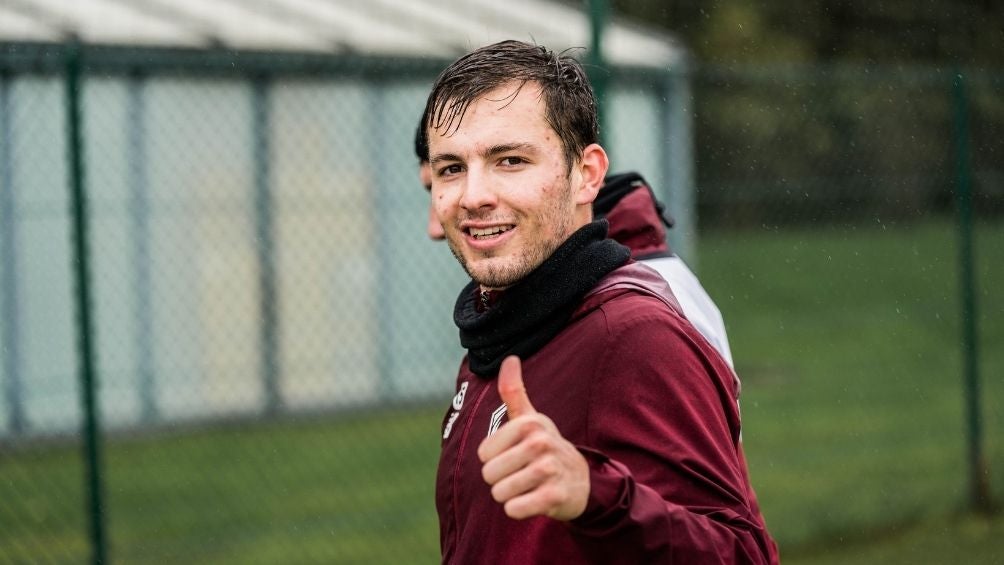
(542, 470)
(550, 497)
(538, 442)
(549, 466)
(528, 425)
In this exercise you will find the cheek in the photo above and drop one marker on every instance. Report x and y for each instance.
(439, 205)
(556, 194)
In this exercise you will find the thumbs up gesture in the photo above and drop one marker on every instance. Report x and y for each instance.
(532, 469)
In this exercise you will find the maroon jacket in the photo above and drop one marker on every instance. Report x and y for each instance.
(643, 396)
(636, 217)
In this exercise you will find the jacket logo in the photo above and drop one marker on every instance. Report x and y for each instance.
(449, 424)
(493, 426)
(458, 400)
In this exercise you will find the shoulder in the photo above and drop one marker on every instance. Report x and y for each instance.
(671, 268)
(636, 299)
(655, 362)
(651, 339)
(624, 309)
(681, 279)
(642, 335)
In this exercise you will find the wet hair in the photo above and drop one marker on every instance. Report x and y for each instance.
(421, 145)
(569, 102)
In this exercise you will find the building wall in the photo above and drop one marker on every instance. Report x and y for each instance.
(190, 261)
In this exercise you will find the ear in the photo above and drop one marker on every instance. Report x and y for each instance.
(591, 169)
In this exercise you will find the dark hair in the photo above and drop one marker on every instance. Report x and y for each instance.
(421, 145)
(569, 103)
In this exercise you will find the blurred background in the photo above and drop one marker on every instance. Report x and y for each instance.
(225, 337)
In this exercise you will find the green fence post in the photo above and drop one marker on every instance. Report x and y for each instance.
(598, 74)
(139, 218)
(264, 235)
(85, 329)
(979, 475)
(384, 200)
(10, 309)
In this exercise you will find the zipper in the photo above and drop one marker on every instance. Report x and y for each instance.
(460, 459)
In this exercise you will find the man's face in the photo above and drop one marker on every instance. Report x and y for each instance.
(501, 188)
(433, 228)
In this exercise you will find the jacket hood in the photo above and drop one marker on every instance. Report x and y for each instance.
(637, 219)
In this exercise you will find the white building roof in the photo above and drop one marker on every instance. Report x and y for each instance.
(433, 28)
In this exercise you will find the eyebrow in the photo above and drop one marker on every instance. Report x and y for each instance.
(492, 151)
(507, 148)
(441, 157)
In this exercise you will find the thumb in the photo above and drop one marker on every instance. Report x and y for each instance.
(511, 388)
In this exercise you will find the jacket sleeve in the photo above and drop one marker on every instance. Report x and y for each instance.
(667, 482)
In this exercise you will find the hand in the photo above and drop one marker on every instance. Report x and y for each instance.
(532, 469)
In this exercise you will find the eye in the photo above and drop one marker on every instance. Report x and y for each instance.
(512, 161)
(450, 170)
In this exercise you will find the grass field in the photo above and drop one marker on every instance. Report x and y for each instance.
(847, 342)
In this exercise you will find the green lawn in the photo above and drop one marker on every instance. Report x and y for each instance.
(357, 489)
(949, 539)
(847, 343)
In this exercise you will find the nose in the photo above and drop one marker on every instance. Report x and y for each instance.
(434, 229)
(479, 191)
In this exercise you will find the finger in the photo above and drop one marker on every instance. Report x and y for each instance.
(524, 480)
(540, 501)
(511, 388)
(559, 493)
(508, 436)
(526, 448)
(524, 506)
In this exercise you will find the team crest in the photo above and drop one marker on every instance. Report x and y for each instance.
(493, 426)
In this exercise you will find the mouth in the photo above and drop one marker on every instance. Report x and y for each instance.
(484, 234)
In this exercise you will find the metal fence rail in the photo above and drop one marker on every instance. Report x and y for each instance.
(245, 245)
(217, 261)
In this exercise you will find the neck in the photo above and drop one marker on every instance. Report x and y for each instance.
(534, 309)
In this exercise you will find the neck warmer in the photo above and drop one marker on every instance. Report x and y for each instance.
(531, 312)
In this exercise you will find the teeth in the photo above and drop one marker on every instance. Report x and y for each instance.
(486, 232)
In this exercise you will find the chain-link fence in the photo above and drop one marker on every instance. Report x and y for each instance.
(844, 145)
(828, 201)
(273, 347)
(270, 331)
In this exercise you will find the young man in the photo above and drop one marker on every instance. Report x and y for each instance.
(592, 423)
(636, 219)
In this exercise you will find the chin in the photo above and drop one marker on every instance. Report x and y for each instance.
(498, 274)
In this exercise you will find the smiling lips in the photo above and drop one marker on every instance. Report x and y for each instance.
(488, 233)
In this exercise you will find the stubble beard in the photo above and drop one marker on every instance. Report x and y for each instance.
(505, 273)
